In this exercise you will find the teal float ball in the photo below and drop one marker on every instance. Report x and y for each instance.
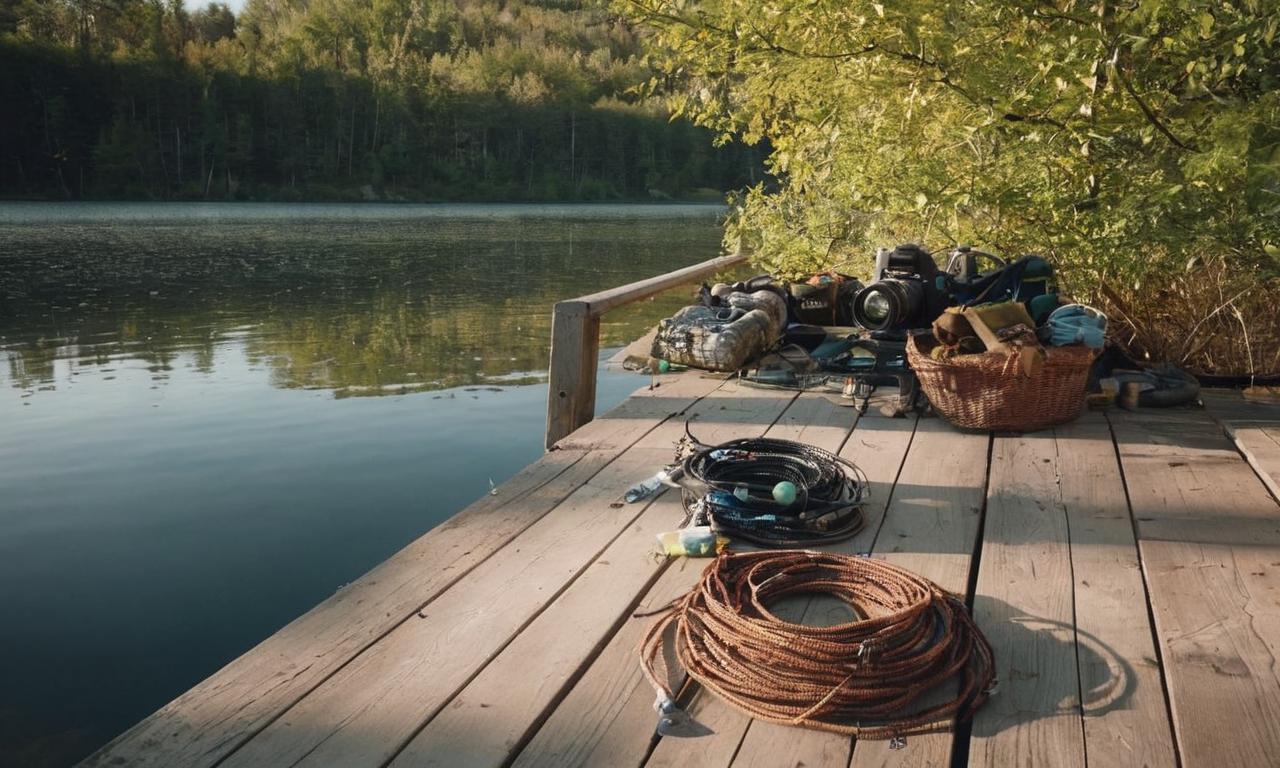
(785, 492)
(663, 366)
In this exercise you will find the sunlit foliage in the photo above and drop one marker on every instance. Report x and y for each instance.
(1125, 140)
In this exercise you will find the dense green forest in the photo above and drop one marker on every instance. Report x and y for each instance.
(341, 99)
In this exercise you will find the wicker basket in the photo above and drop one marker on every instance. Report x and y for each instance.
(990, 390)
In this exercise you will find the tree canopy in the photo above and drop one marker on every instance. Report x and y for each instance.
(1123, 140)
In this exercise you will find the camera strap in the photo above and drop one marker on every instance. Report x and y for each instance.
(997, 282)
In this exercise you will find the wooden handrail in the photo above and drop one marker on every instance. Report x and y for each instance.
(575, 342)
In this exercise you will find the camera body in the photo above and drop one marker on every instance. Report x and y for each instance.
(909, 291)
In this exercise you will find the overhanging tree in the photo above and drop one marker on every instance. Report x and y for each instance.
(1125, 140)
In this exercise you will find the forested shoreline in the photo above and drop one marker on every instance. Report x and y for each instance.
(338, 100)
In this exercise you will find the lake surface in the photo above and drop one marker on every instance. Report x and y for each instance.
(213, 416)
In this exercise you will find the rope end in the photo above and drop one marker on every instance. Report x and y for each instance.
(672, 720)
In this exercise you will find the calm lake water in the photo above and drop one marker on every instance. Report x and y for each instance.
(213, 416)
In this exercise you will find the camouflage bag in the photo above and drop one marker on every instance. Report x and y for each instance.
(722, 338)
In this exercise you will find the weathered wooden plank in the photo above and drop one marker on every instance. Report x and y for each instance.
(931, 528)
(366, 712)
(1023, 603)
(1260, 444)
(1209, 538)
(590, 366)
(206, 723)
(497, 710)
(489, 718)
(1236, 405)
(817, 419)
(1126, 719)
(933, 518)
(607, 718)
(770, 745)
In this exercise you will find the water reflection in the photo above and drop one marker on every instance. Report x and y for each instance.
(189, 457)
(360, 301)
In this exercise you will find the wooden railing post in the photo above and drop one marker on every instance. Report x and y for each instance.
(575, 351)
(575, 343)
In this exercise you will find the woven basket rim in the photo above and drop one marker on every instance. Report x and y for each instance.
(988, 390)
(1054, 356)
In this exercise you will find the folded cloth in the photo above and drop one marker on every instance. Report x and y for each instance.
(1075, 324)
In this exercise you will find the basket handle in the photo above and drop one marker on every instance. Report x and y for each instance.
(1019, 362)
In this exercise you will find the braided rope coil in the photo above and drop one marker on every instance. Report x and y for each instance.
(912, 661)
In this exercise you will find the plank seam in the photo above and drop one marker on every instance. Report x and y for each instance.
(578, 673)
(848, 435)
(1075, 616)
(889, 500)
(1229, 429)
(963, 732)
(462, 685)
(1146, 591)
(253, 733)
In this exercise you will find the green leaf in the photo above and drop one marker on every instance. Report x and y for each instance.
(1206, 24)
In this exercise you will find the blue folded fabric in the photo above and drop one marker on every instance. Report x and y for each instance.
(1077, 324)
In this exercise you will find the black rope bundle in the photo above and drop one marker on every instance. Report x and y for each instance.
(742, 478)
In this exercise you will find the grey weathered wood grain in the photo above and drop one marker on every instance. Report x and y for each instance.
(607, 718)
(526, 639)
(571, 379)
(1209, 537)
(886, 449)
(497, 710)
(1260, 444)
(931, 528)
(1023, 603)
(1126, 719)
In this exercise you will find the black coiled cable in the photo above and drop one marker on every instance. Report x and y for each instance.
(740, 477)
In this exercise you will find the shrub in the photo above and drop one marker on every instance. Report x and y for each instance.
(1121, 141)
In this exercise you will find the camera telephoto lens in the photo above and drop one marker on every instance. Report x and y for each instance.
(889, 304)
(876, 307)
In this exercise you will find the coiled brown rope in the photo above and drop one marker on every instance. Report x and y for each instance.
(866, 677)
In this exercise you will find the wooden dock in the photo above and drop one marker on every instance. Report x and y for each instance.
(1126, 569)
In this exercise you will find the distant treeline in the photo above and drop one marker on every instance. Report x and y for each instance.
(337, 99)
